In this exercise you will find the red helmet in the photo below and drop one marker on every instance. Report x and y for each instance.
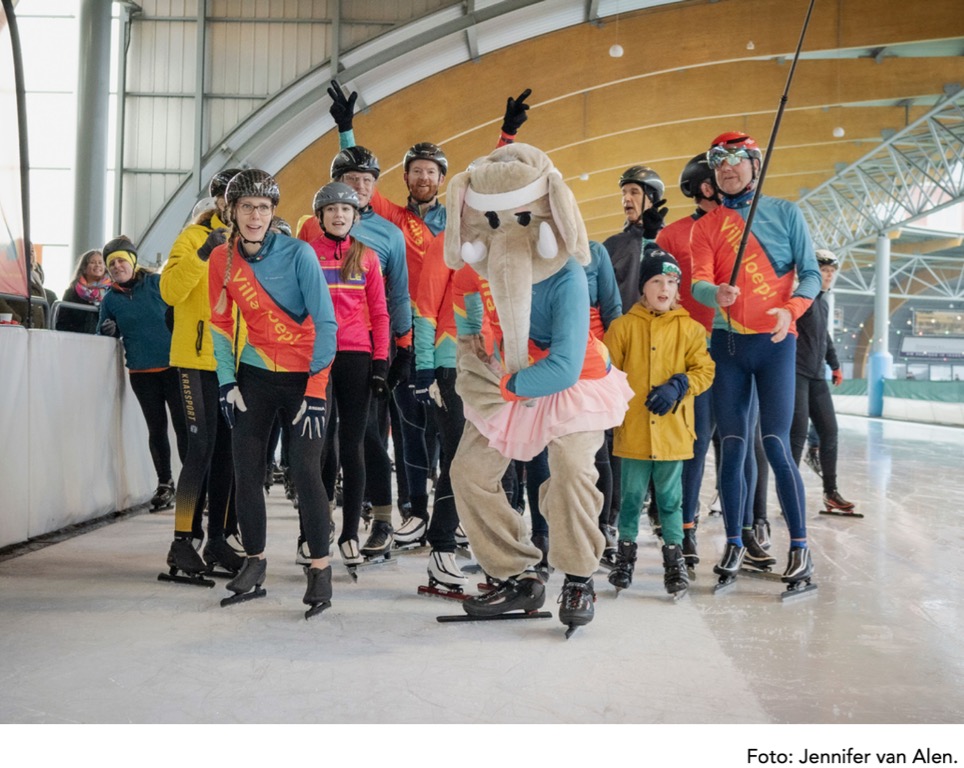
(730, 143)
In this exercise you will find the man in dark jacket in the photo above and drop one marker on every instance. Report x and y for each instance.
(813, 402)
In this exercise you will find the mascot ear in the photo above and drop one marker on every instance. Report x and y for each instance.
(566, 217)
(455, 199)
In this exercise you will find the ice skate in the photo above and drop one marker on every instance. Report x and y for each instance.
(761, 529)
(812, 459)
(690, 554)
(798, 573)
(366, 514)
(608, 560)
(163, 497)
(353, 559)
(235, 543)
(675, 577)
(318, 594)
(756, 558)
(835, 504)
(576, 604)
(186, 565)
(461, 539)
(621, 576)
(221, 559)
(247, 584)
(302, 555)
(445, 578)
(729, 566)
(716, 506)
(380, 540)
(519, 596)
(411, 533)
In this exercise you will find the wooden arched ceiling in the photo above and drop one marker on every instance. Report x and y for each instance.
(688, 73)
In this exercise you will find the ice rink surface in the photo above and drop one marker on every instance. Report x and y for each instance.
(88, 634)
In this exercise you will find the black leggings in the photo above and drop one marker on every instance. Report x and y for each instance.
(157, 392)
(450, 421)
(207, 466)
(814, 403)
(265, 394)
(350, 386)
(379, 465)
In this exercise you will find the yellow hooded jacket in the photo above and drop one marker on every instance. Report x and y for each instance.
(651, 348)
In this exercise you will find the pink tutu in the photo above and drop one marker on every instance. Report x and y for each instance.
(520, 430)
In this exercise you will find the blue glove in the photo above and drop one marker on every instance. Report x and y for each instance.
(230, 399)
(311, 416)
(378, 381)
(215, 238)
(342, 108)
(666, 397)
(401, 368)
(423, 380)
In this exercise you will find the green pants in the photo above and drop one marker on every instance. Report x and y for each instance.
(667, 478)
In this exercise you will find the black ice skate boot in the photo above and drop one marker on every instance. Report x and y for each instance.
(318, 593)
(541, 540)
(689, 547)
(675, 578)
(576, 604)
(799, 566)
(185, 564)
(761, 529)
(729, 564)
(163, 497)
(812, 459)
(218, 553)
(756, 557)
(608, 559)
(380, 540)
(835, 502)
(247, 584)
(621, 576)
(524, 592)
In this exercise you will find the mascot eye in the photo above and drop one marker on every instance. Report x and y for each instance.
(523, 218)
(493, 218)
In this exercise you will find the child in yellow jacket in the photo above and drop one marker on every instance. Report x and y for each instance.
(663, 352)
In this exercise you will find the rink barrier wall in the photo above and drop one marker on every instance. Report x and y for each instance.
(74, 440)
(928, 402)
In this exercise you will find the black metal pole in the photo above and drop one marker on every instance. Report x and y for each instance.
(770, 145)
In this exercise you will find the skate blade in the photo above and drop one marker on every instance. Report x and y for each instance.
(243, 597)
(795, 592)
(385, 559)
(316, 609)
(840, 513)
(498, 617)
(724, 585)
(196, 581)
(221, 573)
(445, 594)
(675, 597)
(571, 630)
(760, 573)
(409, 547)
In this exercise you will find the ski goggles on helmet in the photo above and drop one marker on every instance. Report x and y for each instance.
(716, 156)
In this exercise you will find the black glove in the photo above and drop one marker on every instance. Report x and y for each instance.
(216, 237)
(108, 328)
(515, 113)
(653, 219)
(666, 397)
(230, 399)
(379, 383)
(401, 367)
(423, 380)
(311, 417)
(342, 109)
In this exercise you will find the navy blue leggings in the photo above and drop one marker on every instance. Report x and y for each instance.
(755, 359)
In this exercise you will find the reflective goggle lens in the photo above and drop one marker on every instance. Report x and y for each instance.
(717, 155)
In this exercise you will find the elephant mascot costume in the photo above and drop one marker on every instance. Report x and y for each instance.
(512, 218)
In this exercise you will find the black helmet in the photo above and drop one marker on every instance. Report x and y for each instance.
(219, 181)
(647, 178)
(335, 192)
(280, 225)
(354, 159)
(252, 183)
(425, 150)
(694, 174)
(826, 258)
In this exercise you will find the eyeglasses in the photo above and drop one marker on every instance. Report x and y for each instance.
(262, 210)
(359, 179)
(717, 155)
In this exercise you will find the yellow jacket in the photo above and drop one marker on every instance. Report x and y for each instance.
(184, 285)
(651, 348)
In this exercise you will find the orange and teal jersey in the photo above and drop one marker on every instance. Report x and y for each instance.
(282, 295)
(779, 252)
(675, 240)
(435, 326)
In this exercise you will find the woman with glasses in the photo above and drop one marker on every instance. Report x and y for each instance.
(753, 342)
(279, 290)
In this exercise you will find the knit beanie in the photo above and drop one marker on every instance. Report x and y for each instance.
(655, 262)
(120, 248)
